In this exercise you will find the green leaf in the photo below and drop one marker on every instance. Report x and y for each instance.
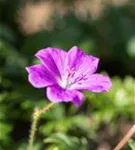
(65, 142)
(132, 144)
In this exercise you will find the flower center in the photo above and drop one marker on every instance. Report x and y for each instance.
(72, 77)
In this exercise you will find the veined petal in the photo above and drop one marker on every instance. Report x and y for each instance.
(81, 62)
(53, 59)
(78, 98)
(95, 83)
(58, 94)
(39, 76)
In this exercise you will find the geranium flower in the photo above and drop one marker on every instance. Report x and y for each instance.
(67, 74)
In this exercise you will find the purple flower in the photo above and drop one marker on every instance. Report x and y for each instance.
(67, 74)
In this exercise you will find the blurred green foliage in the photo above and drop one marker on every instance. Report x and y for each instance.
(132, 144)
(65, 127)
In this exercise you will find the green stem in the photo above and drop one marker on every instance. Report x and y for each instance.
(36, 116)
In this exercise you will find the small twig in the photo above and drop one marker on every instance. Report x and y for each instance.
(125, 139)
(35, 120)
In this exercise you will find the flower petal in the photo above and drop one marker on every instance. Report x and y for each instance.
(81, 62)
(53, 59)
(58, 94)
(39, 76)
(78, 98)
(95, 83)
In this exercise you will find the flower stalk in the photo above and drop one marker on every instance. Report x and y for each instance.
(36, 116)
(126, 138)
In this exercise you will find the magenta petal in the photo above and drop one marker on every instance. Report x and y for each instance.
(53, 59)
(58, 94)
(39, 76)
(99, 83)
(81, 62)
(95, 83)
(78, 99)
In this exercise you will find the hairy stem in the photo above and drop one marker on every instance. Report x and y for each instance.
(126, 138)
(36, 116)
